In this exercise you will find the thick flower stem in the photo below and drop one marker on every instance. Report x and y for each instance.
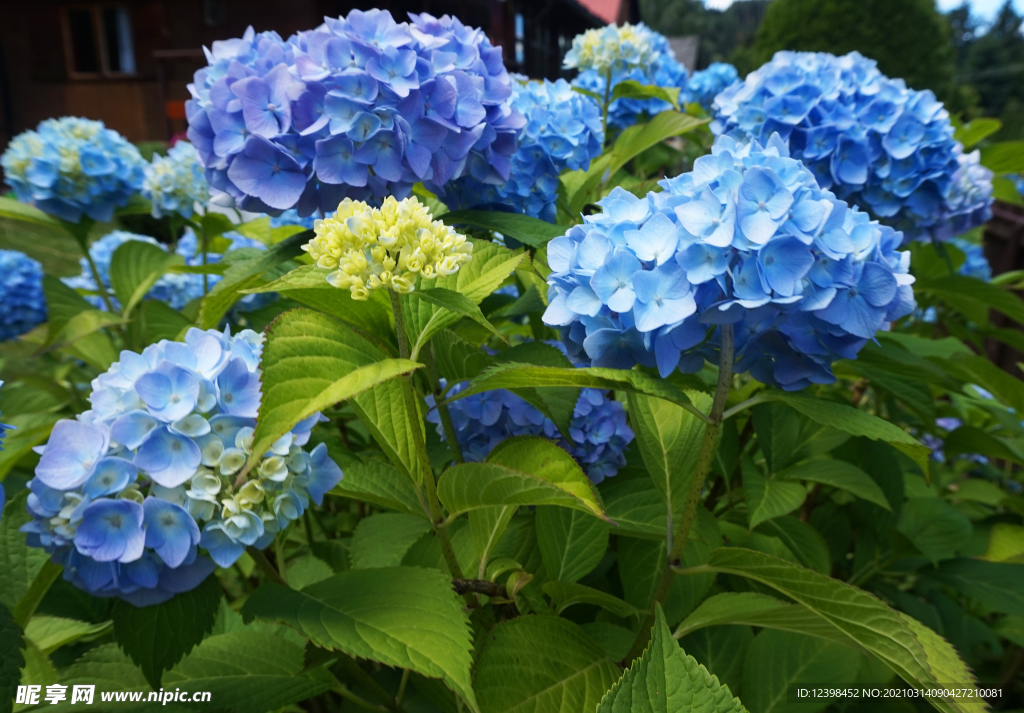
(607, 97)
(422, 458)
(450, 434)
(704, 458)
(264, 565)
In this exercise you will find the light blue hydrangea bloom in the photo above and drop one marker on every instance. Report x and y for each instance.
(645, 57)
(875, 143)
(600, 434)
(69, 167)
(708, 83)
(126, 495)
(361, 107)
(175, 182)
(975, 263)
(747, 238)
(22, 302)
(563, 132)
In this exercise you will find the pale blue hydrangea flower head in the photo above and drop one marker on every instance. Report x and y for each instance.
(361, 107)
(975, 264)
(632, 52)
(706, 84)
(137, 496)
(875, 143)
(70, 167)
(22, 302)
(599, 431)
(175, 183)
(563, 132)
(747, 238)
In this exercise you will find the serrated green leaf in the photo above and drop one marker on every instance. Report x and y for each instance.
(571, 542)
(802, 540)
(922, 661)
(541, 664)
(565, 594)
(997, 585)
(49, 633)
(1004, 157)
(768, 498)
(312, 361)
(853, 421)
(722, 650)
(666, 680)
(158, 636)
(524, 228)
(457, 303)
(19, 563)
(135, 267)
(382, 540)
(935, 527)
(641, 565)
(787, 436)
(839, 474)
(486, 526)
(382, 409)
(669, 439)
(753, 609)
(375, 482)
(457, 359)
(11, 659)
(378, 614)
(636, 507)
(245, 274)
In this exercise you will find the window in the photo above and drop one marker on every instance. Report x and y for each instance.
(98, 41)
(520, 36)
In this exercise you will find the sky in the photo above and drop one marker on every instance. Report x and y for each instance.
(984, 9)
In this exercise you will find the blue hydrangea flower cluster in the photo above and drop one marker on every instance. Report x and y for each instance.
(749, 239)
(975, 263)
(69, 167)
(708, 83)
(22, 302)
(175, 183)
(646, 58)
(600, 434)
(361, 107)
(563, 131)
(125, 495)
(176, 289)
(869, 139)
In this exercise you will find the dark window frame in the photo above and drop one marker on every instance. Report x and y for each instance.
(100, 41)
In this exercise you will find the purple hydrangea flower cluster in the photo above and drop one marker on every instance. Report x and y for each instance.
(600, 434)
(563, 131)
(655, 65)
(708, 83)
(747, 238)
(361, 107)
(126, 495)
(70, 166)
(22, 301)
(872, 141)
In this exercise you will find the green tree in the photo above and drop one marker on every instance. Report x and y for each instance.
(994, 65)
(908, 38)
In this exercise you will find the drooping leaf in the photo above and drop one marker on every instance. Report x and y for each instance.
(753, 609)
(955, 288)
(382, 540)
(839, 474)
(997, 585)
(667, 680)
(632, 89)
(135, 267)
(158, 636)
(51, 632)
(378, 614)
(16, 210)
(571, 542)
(312, 361)
(524, 228)
(11, 659)
(565, 594)
(535, 664)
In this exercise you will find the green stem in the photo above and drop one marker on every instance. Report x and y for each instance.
(704, 457)
(206, 250)
(607, 97)
(450, 434)
(366, 680)
(99, 283)
(411, 405)
(361, 702)
(279, 556)
(265, 566)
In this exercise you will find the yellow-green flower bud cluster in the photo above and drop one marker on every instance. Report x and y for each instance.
(370, 248)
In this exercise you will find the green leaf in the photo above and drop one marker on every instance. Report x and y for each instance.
(524, 228)
(997, 585)
(308, 569)
(78, 327)
(1006, 543)
(378, 614)
(769, 498)
(839, 474)
(19, 563)
(486, 526)
(457, 359)
(541, 664)
(258, 230)
(974, 131)
(935, 527)
(135, 267)
(571, 542)
(1004, 157)
(565, 594)
(459, 304)
(30, 430)
(853, 421)
(520, 471)
(666, 680)
(11, 659)
(312, 361)
(632, 89)
(636, 139)
(382, 540)
(163, 322)
(924, 660)
(382, 409)
(216, 224)
(373, 481)
(803, 540)
(30, 601)
(641, 565)
(669, 438)
(16, 210)
(517, 376)
(722, 650)
(157, 637)
(753, 609)
(786, 436)
(475, 280)
(780, 660)
(636, 507)
(49, 633)
(954, 288)
(245, 274)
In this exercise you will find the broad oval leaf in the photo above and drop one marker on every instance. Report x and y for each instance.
(768, 498)
(135, 267)
(632, 89)
(571, 542)
(839, 474)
